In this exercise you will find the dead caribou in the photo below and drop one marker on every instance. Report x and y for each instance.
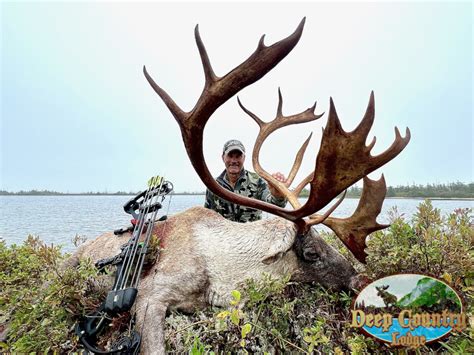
(205, 257)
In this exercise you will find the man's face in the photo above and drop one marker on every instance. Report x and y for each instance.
(234, 162)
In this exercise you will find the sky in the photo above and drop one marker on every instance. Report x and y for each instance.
(77, 114)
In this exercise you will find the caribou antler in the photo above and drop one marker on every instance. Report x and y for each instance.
(218, 90)
(343, 158)
(267, 128)
(354, 230)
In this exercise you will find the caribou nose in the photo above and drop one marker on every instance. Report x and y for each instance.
(359, 281)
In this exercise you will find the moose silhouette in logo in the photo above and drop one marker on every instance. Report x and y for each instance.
(389, 299)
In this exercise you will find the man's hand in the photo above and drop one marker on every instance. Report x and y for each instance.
(280, 177)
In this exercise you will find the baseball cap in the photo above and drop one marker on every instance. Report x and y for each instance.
(233, 144)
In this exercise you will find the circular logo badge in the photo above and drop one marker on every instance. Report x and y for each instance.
(408, 310)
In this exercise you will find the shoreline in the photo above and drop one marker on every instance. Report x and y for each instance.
(203, 194)
(99, 194)
(419, 198)
(432, 198)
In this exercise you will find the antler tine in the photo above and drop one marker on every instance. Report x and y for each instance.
(354, 230)
(266, 128)
(397, 146)
(280, 105)
(317, 219)
(363, 128)
(297, 163)
(178, 114)
(291, 196)
(303, 183)
(210, 77)
(251, 114)
(216, 92)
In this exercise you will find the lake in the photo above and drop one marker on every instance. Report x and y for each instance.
(58, 219)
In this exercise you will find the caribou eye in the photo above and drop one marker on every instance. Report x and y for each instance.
(311, 255)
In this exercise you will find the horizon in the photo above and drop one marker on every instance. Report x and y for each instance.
(78, 114)
(204, 191)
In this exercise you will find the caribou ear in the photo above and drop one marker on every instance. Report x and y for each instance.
(283, 243)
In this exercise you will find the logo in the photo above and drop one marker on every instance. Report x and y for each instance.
(408, 310)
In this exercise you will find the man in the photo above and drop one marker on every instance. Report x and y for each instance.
(236, 179)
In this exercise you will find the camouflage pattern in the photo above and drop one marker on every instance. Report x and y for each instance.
(249, 184)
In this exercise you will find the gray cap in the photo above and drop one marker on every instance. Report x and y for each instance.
(231, 145)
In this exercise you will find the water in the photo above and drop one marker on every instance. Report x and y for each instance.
(58, 219)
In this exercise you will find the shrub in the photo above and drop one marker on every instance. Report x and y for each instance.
(40, 302)
(438, 246)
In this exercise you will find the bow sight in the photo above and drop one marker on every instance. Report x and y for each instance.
(129, 263)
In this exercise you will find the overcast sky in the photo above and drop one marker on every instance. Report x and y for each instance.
(78, 115)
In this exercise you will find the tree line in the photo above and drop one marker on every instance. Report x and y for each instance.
(56, 193)
(90, 193)
(449, 190)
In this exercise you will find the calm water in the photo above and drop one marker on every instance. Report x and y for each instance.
(58, 219)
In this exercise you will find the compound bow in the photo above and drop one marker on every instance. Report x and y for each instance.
(129, 263)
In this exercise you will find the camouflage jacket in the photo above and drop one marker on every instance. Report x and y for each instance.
(249, 184)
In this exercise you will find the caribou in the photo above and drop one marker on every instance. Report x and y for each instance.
(204, 256)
